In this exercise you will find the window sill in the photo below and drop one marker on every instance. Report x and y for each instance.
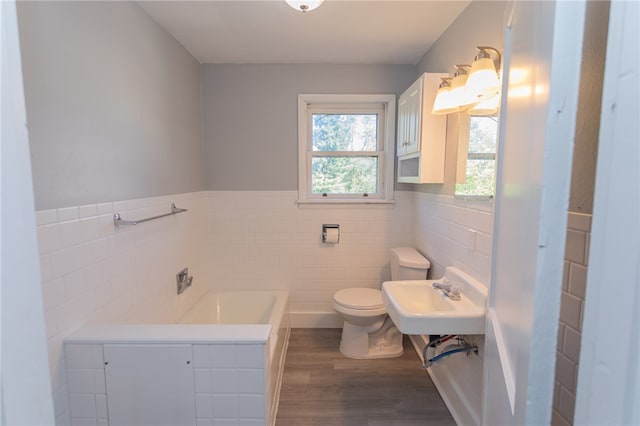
(345, 203)
(479, 198)
(478, 202)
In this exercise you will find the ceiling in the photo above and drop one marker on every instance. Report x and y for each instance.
(338, 32)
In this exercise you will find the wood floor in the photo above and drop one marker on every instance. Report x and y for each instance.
(323, 387)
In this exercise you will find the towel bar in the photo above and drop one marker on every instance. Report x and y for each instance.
(118, 221)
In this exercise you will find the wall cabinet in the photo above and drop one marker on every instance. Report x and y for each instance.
(421, 135)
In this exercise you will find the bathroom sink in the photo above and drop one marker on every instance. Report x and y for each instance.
(416, 307)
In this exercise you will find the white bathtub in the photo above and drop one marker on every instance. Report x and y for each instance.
(226, 335)
(243, 307)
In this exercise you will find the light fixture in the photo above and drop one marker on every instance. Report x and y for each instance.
(304, 5)
(459, 93)
(486, 107)
(483, 82)
(444, 103)
(475, 90)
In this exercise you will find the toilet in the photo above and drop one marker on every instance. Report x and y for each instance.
(368, 332)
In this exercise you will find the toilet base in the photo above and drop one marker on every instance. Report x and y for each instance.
(359, 343)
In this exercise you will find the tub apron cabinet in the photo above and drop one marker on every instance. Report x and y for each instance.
(149, 384)
(169, 385)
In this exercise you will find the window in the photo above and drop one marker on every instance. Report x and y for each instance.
(345, 148)
(476, 174)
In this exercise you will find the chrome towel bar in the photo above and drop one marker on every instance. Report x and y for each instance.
(117, 220)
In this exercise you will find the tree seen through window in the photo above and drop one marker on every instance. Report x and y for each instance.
(340, 163)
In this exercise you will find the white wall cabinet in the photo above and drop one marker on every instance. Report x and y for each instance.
(421, 135)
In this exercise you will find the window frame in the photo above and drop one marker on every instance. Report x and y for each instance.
(464, 125)
(385, 104)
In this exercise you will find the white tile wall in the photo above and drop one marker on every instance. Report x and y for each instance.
(253, 240)
(93, 272)
(86, 385)
(264, 240)
(230, 384)
(571, 310)
(453, 232)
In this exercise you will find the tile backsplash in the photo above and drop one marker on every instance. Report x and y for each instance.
(571, 311)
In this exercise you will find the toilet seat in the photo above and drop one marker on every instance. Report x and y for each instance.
(359, 299)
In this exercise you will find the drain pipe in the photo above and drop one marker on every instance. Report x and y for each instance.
(431, 347)
(462, 346)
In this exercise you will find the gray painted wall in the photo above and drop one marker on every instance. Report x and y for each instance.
(480, 24)
(585, 151)
(113, 104)
(250, 116)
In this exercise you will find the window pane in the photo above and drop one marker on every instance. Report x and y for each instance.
(344, 175)
(345, 132)
(480, 178)
(483, 134)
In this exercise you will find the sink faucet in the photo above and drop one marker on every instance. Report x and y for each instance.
(449, 290)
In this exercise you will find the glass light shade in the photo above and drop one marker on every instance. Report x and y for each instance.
(304, 5)
(444, 103)
(459, 93)
(486, 107)
(483, 82)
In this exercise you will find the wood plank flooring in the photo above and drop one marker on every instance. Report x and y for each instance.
(322, 387)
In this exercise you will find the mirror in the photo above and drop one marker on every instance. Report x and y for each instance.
(476, 167)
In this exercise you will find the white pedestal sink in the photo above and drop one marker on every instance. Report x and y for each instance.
(416, 307)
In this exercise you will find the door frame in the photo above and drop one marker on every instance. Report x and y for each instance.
(608, 388)
(530, 217)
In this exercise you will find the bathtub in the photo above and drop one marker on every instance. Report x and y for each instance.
(221, 362)
(242, 307)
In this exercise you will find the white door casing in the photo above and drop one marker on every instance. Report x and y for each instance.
(25, 388)
(608, 391)
(543, 43)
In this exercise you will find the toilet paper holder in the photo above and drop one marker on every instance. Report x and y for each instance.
(328, 229)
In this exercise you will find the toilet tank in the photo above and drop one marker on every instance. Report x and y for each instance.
(408, 264)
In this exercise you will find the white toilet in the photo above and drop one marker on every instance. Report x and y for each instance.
(368, 332)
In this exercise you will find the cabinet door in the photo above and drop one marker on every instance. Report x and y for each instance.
(150, 385)
(414, 111)
(401, 142)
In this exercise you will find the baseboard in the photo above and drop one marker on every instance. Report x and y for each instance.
(452, 394)
(316, 320)
(275, 403)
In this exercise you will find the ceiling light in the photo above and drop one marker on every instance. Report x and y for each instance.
(304, 5)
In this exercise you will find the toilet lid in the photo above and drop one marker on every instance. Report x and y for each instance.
(359, 298)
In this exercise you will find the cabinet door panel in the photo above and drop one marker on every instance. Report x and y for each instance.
(401, 142)
(149, 385)
(414, 110)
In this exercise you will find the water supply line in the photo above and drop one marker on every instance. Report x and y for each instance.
(462, 345)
